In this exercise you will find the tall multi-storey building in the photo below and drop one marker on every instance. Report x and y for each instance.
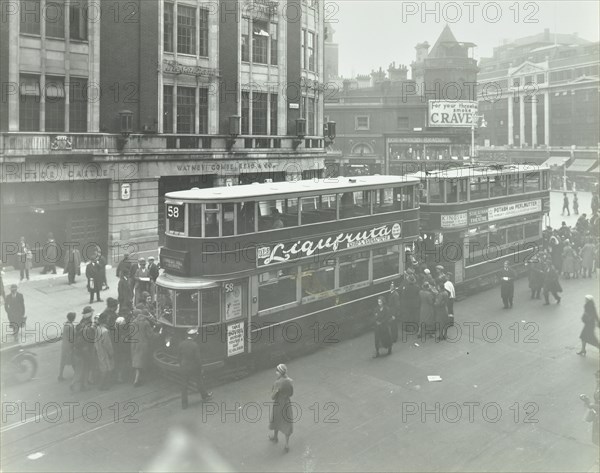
(108, 106)
(541, 90)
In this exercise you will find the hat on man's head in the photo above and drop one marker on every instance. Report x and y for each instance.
(193, 331)
(142, 260)
(14, 286)
(87, 311)
(281, 369)
(589, 298)
(112, 302)
(120, 321)
(426, 271)
(151, 258)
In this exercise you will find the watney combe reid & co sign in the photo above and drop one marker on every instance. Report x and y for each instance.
(292, 250)
(490, 214)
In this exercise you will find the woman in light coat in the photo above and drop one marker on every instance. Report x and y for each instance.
(105, 352)
(587, 257)
(141, 344)
(282, 416)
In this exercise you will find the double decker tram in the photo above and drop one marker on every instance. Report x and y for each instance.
(265, 270)
(474, 218)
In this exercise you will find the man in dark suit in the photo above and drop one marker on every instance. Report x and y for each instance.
(94, 277)
(15, 309)
(190, 363)
(507, 285)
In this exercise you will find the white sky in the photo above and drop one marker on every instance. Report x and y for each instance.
(375, 33)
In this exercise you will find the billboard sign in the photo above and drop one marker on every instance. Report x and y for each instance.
(452, 113)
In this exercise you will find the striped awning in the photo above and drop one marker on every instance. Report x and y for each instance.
(583, 165)
(555, 161)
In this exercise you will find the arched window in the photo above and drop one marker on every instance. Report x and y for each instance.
(362, 148)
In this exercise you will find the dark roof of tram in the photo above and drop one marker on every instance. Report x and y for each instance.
(272, 189)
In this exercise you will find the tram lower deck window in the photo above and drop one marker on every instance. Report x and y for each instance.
(532, 229)
(186, 308)
(211, 305)
(316, 280)
(386, 262)
(276, 288)
(354, 269)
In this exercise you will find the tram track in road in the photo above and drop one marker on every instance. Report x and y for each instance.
(10, 445)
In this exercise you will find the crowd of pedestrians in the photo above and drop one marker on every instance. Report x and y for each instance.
(115, 345)
(421, 303)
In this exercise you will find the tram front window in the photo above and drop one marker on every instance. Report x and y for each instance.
(195, 220)
(245, 216)
(164, 302)
(211, 305)
(532, 182)
(186, 308)
(515, 184)
(211, 220)
(436, 194)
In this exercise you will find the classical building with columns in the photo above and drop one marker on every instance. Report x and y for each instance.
(105, 108)
(541, 91)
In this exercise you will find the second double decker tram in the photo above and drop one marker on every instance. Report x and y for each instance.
(265, 269)
(474, 218)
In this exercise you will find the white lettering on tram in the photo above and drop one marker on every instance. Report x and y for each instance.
(379, 234)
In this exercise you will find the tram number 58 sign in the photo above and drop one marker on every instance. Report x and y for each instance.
(175, 212)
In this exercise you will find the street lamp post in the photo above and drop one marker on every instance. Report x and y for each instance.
(474, 122)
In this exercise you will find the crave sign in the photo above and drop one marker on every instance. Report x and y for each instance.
(291, 250)
(452, 113)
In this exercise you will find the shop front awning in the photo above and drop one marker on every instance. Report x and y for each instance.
(555, 161)
(583, 165)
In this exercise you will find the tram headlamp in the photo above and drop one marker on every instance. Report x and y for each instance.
(168, 342)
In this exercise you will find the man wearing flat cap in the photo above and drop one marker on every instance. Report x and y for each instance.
(190, 363)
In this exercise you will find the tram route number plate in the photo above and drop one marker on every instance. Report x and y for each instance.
(175, 212)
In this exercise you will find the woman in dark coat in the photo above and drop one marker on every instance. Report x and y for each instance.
(411, 303)
(590, 321)
(282, 416)
(536, 278)
(383, 335)
(141, 344)
(551, 285)
(427, 311)
(67, 344)
(441, 312)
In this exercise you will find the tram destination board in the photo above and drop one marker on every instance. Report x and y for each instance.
(175, 261)
(297, 249)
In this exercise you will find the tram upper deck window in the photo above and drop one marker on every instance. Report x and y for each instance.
(290, 212)
(317, 208)
(456, 190)
(499, 186)
(276, 288)
(317, 279)
(355, 204)
(195, 220)
(270, 215)
(227, 217)
(354, 268)
(532, 181)
(386, 262)
(407, 194)
(436, 191)
(387, 200)
(245, 217)
(211, 305)
(186, 308)
(479, 188)
(545, 180)
(211, 220)
(176, 217)
(515, 184)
